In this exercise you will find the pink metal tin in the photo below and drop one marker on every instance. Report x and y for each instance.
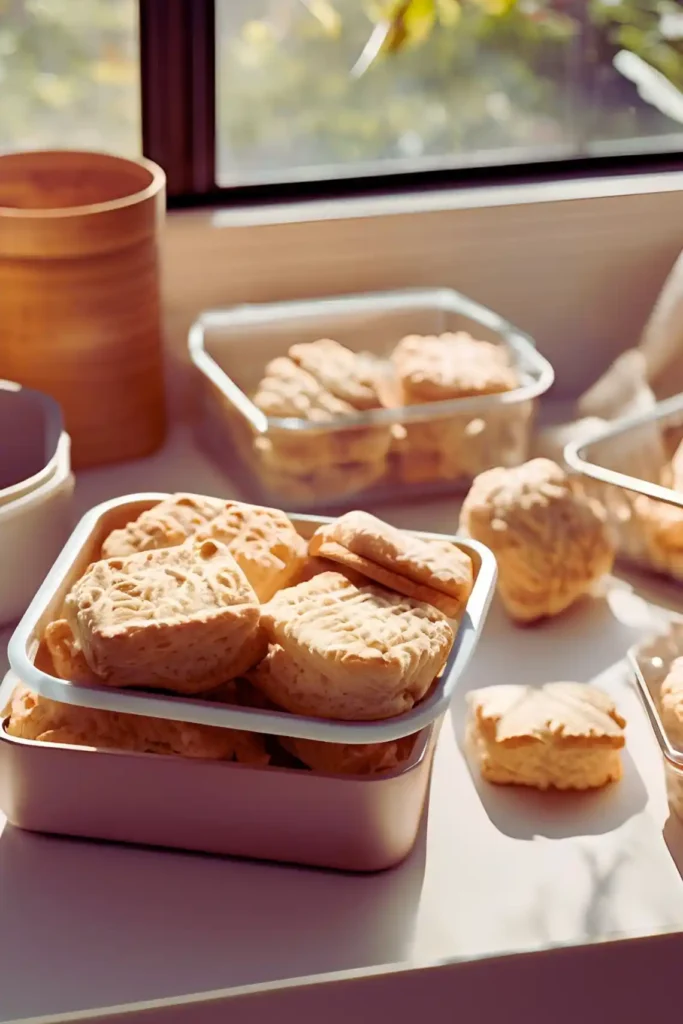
(350, 823)
(84, 547)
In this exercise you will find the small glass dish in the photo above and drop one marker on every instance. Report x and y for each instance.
(459, 438)
(651, 661)
(622, 466)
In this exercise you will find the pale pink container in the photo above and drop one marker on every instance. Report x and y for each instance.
(353, 823)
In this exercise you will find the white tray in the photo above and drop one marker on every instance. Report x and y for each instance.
(170, 937)
(81, 548)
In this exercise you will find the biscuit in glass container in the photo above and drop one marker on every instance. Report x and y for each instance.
(183, 618)
(339, 651)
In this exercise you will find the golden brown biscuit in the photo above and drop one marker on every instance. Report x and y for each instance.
(36, 718)
(347, 652)
(347, 375)
(68, 659)
(350, 758)
(436, 368)
(562, 735)
(315, 566)
(263, 542)
(169, 523)
(434, 571)
(671, 703)
(661, 528)
(549, 540)
(182, 618)
(288, 391)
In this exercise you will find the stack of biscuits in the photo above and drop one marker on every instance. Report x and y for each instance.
(322, 382)
(226, 601)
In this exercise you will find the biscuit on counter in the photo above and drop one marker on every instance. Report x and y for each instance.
(339, 651)
(32, 717)
(434, 571)
(183, 618)
(263, 542)
(166, 524)
(550, 541)
(561, 735)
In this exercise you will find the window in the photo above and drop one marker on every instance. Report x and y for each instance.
(303, 92)
(69, 75)
(261, 98)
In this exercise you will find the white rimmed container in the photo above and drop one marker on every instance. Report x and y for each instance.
(651, 661)
(84, 547)
(354, 823)
(36, 487)
(231, 347)
(621, 464)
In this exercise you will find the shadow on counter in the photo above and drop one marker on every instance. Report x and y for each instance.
(151, 923)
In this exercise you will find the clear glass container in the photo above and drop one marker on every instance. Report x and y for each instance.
(627, 467)
(378, 455)
(651, 661)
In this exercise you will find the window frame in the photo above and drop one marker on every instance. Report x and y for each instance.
(178, 78)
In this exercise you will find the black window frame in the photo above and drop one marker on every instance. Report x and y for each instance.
(178, 76)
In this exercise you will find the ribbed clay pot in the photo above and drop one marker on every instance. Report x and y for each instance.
(79, 295)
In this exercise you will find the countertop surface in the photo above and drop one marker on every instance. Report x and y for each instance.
(494, 871)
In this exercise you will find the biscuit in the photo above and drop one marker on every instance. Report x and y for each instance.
(33, 717)
(434, 571)
(263, 542)
(326, 483)
(671, 703)
(661, 528)
(350, 758)
(169, 523)
(549, 540)
(349, 376)
(438, 368)
(288, 391)
(562, 735)
(339, 651)
(315, 566)
(182, 618)
(67, 656)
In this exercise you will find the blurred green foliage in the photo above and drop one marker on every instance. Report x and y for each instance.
(323, 86)
(69, 74)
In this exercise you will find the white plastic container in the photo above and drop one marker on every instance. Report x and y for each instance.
(84, 547)
(36, 487)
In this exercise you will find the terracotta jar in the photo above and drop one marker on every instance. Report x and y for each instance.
(79, 295)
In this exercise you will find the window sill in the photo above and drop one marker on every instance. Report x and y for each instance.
(572, 263)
